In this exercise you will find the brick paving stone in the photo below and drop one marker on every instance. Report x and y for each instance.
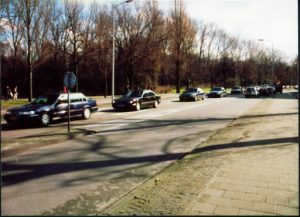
(246, 189)
(224, 210)
(293, 203)
(199, 207)
(234, 194)
(264, 207)
(241, 204)
(244, 212)
(204, 198)
(283, 193)
(277, 200)
(255, 197)
(283, 210)
(220, 201)
(267, 191)
(293, 187)
(279, 186)
(213, 192)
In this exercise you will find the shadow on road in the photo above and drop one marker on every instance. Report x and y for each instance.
(14, 173)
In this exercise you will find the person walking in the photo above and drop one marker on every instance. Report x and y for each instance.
(9, 93)
(15, 93)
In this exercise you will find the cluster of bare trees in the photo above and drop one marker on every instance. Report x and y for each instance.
(154, 48)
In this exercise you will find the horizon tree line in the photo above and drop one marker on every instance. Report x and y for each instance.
(43, 39)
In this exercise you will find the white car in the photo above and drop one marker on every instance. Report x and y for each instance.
(251, 92)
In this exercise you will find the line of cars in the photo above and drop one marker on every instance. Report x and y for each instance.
(263, 90)
(51, 106)
(46, 108)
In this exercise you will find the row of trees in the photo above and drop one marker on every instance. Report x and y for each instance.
(44, 39)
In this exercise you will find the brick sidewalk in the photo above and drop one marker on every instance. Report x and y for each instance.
(248, 168)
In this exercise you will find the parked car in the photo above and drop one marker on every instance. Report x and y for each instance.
(217, 92)
(278, 88)
(194, 94)
(251, 92)
(237, 90)
(267, 90)
(51, 106)
(137, 100)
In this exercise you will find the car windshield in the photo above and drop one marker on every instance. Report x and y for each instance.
(216, 89)
(237, 87)
(135, 93)
(191, 90)
(46, 99)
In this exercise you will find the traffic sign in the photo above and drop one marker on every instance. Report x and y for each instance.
(70, 80)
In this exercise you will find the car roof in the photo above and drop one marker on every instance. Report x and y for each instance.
(64, 96)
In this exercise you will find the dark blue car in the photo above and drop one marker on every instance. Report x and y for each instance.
(51, 106)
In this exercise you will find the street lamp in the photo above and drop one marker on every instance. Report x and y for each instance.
(261, 39)
(113, 51)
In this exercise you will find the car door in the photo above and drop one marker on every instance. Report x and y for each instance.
(77, 105)
(145, 99)
(61, 108)
(200, 94)
(152, 98)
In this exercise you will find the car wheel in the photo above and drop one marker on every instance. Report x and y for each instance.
(138, 106)
(155, 105)
(86, 114)
(45, 119)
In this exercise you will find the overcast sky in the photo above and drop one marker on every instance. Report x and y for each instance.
(275, 21)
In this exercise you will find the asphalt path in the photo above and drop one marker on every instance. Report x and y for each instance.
(125, 150)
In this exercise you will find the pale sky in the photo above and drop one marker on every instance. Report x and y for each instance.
(275, 21)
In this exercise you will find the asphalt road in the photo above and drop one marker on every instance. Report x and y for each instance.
(126, 149)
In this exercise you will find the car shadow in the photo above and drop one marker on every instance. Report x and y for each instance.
(32, 125)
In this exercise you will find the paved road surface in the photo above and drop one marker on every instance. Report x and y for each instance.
(127, 149)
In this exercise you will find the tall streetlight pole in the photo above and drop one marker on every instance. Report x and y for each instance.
(113, 50)
(261, 39)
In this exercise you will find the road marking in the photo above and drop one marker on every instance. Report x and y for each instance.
(138, 117)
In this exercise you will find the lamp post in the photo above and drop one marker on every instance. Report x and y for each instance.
(272, 53)
(113, 51)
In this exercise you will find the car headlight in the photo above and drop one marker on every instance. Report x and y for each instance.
(27, 113)
(8, 112)
(114, 101)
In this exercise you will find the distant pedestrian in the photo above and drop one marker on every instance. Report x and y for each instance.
(15, 93)
(9, 93)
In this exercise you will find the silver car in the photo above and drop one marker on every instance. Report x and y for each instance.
(251, 92)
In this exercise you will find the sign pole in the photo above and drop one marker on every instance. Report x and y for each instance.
(69, 82)
(68, 110)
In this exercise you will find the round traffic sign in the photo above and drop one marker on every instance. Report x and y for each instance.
(70, 80)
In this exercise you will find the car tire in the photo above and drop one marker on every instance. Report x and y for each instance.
(86, 113)
(45, 119)
(155, 104)
(138, 106)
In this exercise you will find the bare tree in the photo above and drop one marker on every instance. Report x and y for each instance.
(33, 36)
(103, 41)
(182, 39)
(80, 34)
(57, 36)
(14, 24)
